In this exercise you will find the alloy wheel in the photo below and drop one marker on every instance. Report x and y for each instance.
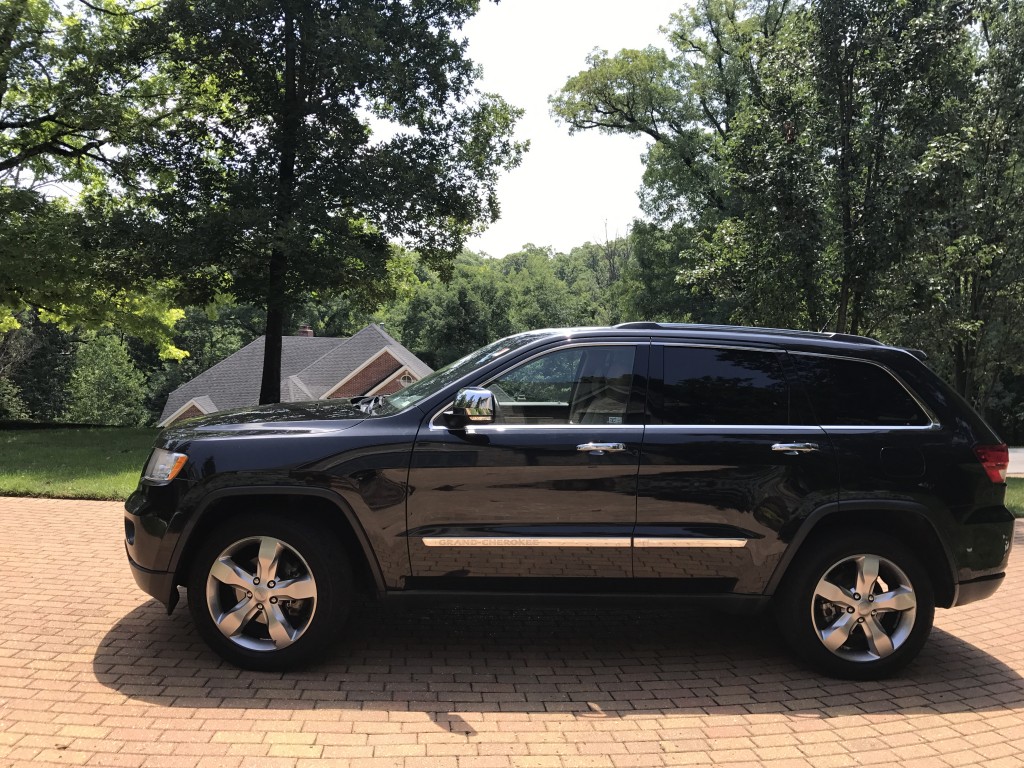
(863, 608)
(261, 593)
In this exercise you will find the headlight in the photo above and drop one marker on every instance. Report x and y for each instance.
(163, 466)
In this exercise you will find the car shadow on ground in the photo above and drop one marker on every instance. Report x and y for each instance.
(601, 661)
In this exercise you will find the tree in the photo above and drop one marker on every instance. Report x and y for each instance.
(886, 78)
(847, 165)
(442, 320)
(209, 333)
(686, 104)
(275, 186)
(963, 285)
(76, 89)
(106, 388)
(38, 358)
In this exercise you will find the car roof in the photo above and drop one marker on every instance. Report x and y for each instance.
(783, 337)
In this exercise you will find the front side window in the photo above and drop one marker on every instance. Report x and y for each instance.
(580, 385)
(441, 378)
(855, 393)
(708, 386)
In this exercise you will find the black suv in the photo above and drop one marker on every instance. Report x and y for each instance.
(830, 476)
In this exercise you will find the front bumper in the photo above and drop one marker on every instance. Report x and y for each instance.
(977, 589)
(149, 542)
(158, 584)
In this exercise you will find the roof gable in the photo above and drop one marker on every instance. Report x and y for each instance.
(234, 382)
(339, 363)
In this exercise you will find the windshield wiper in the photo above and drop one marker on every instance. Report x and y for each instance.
(368, 404)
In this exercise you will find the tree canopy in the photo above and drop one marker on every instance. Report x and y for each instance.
(318, 134)
(832, 165)
(77, 87)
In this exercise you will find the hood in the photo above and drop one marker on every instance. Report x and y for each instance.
(280, 418)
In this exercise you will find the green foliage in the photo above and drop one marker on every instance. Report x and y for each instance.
(316, 133)
(106, 387)
(486, 299)
(850, 165)
(963, 284)
(37, 359)
(441, 322)
(209, 334)
(12, 406)
(70, 263)
(76, 90)
(75, 84)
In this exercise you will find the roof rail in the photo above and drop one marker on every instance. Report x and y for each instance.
(652, 326)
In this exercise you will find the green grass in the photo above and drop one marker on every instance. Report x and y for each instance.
(73, 463)
(1015, 495)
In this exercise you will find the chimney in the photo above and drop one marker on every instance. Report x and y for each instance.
(305, 330)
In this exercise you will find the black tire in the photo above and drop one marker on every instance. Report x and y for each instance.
(289, 623)
(807, 620)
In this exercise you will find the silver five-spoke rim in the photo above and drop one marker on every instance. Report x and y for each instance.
(863, 608)
(261, 593)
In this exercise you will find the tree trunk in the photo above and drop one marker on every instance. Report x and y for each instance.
(290, 120)
(270, 387)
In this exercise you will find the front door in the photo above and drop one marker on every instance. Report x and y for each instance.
(548, 490)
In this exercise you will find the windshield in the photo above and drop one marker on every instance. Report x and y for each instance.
(442, 377)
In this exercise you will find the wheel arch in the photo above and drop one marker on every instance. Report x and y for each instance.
(319, 504)
(906, 521)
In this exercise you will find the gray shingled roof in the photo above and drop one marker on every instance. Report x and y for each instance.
(334, 366)
(310, 367)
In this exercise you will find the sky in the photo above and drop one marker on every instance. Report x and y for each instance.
(569, 189)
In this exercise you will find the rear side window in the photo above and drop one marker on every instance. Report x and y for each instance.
(854, 393)
(706, 386)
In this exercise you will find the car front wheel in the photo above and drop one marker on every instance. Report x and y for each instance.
(856, 605)
(269, 594)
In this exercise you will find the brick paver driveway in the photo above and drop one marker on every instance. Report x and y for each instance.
(92, 672)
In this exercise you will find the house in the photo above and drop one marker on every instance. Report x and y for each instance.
(312, 368)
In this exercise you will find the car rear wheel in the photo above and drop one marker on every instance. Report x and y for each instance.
(856, 605)
(269, 594)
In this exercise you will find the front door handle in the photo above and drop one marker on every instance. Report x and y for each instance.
(600, 449)
(792, 449)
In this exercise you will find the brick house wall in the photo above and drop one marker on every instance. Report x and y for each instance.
(189, 413)
(368, 378)
(391, 387)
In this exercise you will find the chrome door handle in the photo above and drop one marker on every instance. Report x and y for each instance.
(792, 449)
(600, 449)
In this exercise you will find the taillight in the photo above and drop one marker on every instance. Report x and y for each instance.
(995, 459)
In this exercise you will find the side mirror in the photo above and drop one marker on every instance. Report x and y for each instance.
(473, 405)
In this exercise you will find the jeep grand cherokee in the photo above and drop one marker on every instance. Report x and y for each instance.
(829, 477)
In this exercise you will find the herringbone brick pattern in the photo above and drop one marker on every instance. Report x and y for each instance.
(94, 673)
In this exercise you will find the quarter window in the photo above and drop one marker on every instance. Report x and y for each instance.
(854, 393)
(704, 386)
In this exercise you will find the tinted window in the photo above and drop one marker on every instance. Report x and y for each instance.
(581, 385)
(854, 393)
(723, 386)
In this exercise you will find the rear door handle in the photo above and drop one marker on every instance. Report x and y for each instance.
(792, 449)
(600, 449)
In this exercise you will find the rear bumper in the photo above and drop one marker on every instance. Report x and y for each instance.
(158, 584)
(977, 589)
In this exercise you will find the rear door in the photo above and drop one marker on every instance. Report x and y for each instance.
(726, 465)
